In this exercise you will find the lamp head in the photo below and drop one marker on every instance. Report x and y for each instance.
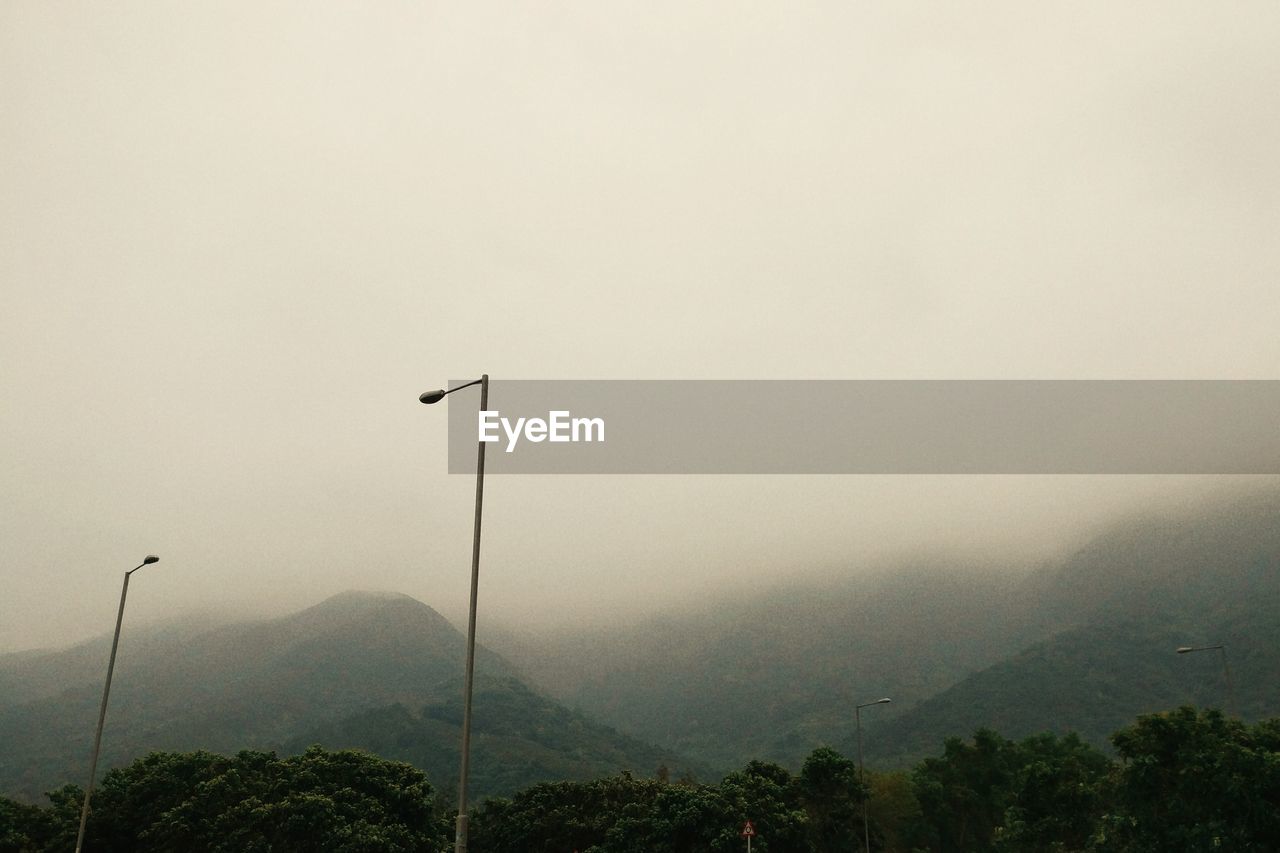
(432, 397)
(151, 558)
(885, 701)
(1182, 650)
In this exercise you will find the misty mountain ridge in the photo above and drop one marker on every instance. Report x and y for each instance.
(403, 644)
(280, 681)
(1082, 643)
(519, 737)
(773, 676)
(1173, 562)
(1130, 597)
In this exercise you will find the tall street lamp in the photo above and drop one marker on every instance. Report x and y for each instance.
(1226, 671)
(106, 691)
(460, 840)
(862, 773)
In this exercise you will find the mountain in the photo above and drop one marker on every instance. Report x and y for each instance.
(775, 676)
(518, 738)
(1083, 643)
(1133, 595)
(259, 685)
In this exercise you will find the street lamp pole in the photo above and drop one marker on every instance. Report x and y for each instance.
(460, 839)
(1226, 672)
(862, 772)
(106, 692)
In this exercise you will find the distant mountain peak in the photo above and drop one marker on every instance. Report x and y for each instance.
(361, 601)
(361, 596)
(375, 608)
(250, 684)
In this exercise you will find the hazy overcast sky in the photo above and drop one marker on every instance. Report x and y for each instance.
(238, 239)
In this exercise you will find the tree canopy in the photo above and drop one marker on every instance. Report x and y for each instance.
(1185, 780)
(252, 801)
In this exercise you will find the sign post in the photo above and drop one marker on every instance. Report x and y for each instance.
(748, 832)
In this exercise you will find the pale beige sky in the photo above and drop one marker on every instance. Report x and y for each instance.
(238, 239)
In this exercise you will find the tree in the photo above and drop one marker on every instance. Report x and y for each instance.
(23, 827)
(1054, 797)
(832, 795)
(32, 829)
(892, 811)
(680, 819)
(253, 801)
(1193, 780)
(622, 814)
(1041, 795)
(769, 796)
(964, 794)
(552, 817)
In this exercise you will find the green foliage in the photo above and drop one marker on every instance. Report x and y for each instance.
(992, 794)
(25, 828)
(253, 801)
(832, 797)
(679, 819)
(622, 814)
(771, 798)
(964, 794)
(1055, 795)
(893, 811)
(1194, 781)
(1188, 781)
(557, 816)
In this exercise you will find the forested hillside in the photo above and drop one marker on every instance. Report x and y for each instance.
(518, 738)
(1079, 644)
(357, 669)
(1133, 595)
(771, 677)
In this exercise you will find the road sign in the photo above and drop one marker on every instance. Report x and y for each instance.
(748, 830)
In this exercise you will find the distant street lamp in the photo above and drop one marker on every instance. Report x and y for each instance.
(862, 773)
(1226, 672)
(460, 840)
(106, 691)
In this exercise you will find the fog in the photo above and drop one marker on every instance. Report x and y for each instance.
(239, 239)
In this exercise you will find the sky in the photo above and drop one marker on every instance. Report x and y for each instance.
(238, 239)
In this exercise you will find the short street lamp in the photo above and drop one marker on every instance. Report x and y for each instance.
(862, 773)
(1226, 671)
(460, 839)
(106, 691)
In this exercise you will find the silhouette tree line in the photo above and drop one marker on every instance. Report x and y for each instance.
(1185, 780)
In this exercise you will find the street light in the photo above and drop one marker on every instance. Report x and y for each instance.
(862, 773)
(460, 840)
(1226, 671)
(106, 691)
